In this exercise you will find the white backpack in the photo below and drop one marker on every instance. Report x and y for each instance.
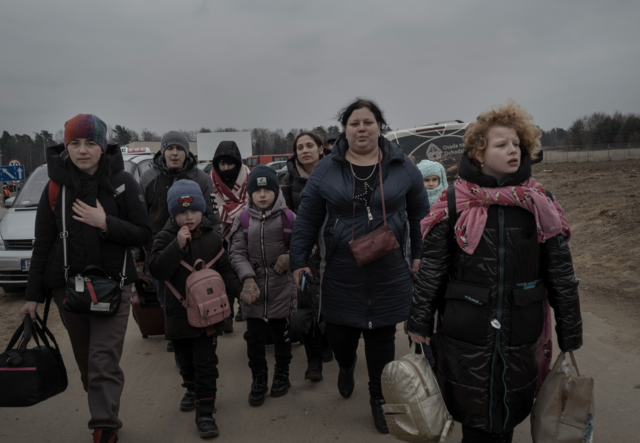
(414, 409)
(206, 299)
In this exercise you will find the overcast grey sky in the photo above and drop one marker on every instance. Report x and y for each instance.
(286, 64)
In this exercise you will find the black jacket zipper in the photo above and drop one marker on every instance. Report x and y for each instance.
(497, 351)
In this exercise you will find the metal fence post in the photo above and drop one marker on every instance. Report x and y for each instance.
(587, 152)
(608, 155)
(567, 151)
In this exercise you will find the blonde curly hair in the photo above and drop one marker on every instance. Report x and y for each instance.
(510, 115)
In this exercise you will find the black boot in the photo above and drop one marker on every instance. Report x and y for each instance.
(378, 415)
(188, 402)
(207, 426)
(314, 370)
(239, 316)
(346, 383)
(105, 435)
(281, 384)
(327, 353)
(259, 387)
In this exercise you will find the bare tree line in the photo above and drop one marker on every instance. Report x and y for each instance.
(597, 128)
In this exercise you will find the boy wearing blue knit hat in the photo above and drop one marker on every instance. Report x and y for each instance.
(187, 237)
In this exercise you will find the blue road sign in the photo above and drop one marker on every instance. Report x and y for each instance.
(11, 173)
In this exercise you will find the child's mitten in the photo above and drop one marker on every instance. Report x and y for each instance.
(250, 291)
(282, 264)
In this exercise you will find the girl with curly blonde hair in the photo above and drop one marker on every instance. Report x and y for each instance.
(490, 286)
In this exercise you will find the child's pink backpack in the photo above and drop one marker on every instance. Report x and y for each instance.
(206, 299)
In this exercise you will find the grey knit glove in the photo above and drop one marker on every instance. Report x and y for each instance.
(250, 291)
(282, 265)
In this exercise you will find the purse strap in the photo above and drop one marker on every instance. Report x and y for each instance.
(64, 234)
(384, 209)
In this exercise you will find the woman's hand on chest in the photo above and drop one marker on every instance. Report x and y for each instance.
(95, 217)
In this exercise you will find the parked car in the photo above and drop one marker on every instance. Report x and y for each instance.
(256, 160)
(277, 165)
(206, 167)
(17, 232)
(137, 160)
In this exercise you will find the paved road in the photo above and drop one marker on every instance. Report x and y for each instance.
(310, 412)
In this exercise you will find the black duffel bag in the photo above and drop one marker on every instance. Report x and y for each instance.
(29, 376)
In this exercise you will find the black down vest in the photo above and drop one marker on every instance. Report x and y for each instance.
(490, 312)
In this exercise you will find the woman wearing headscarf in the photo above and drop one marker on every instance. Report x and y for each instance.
(104, 218)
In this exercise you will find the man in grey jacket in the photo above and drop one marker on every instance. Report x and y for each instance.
(172, 163)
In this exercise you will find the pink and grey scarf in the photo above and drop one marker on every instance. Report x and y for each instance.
(474, 201)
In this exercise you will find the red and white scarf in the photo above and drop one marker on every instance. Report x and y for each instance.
(474, 201)
(230, 202)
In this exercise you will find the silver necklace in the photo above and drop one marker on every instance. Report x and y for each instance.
(362, 179)
(370, 175)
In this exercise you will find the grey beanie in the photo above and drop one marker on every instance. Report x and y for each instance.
(174, 138)
(185, 195)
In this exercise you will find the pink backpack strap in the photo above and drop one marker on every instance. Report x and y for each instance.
(205, 265)
(287, 226)
(208, 265)
(176, 293)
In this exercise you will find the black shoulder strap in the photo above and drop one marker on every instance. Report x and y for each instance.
(451, 203)
(549, 194)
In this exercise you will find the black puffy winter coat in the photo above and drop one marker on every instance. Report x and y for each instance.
(155, 183)
(490, 312)
(165, 265)
(379, 293)
(127, 226)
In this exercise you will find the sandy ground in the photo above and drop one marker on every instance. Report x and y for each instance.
(602, 204)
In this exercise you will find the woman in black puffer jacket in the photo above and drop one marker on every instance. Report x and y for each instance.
(308, 150)
(489, 281)
(343, 201)
(105, 216)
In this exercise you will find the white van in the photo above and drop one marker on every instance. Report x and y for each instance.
(439, 142)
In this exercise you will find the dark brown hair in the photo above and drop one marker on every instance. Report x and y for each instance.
(359, 103)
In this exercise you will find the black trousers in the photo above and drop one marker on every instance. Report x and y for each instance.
(313, 343)
(379, 349)
(198, 363)
(256, 338)
(473, 435)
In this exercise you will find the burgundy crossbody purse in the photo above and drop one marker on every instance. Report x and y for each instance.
(376, 243)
